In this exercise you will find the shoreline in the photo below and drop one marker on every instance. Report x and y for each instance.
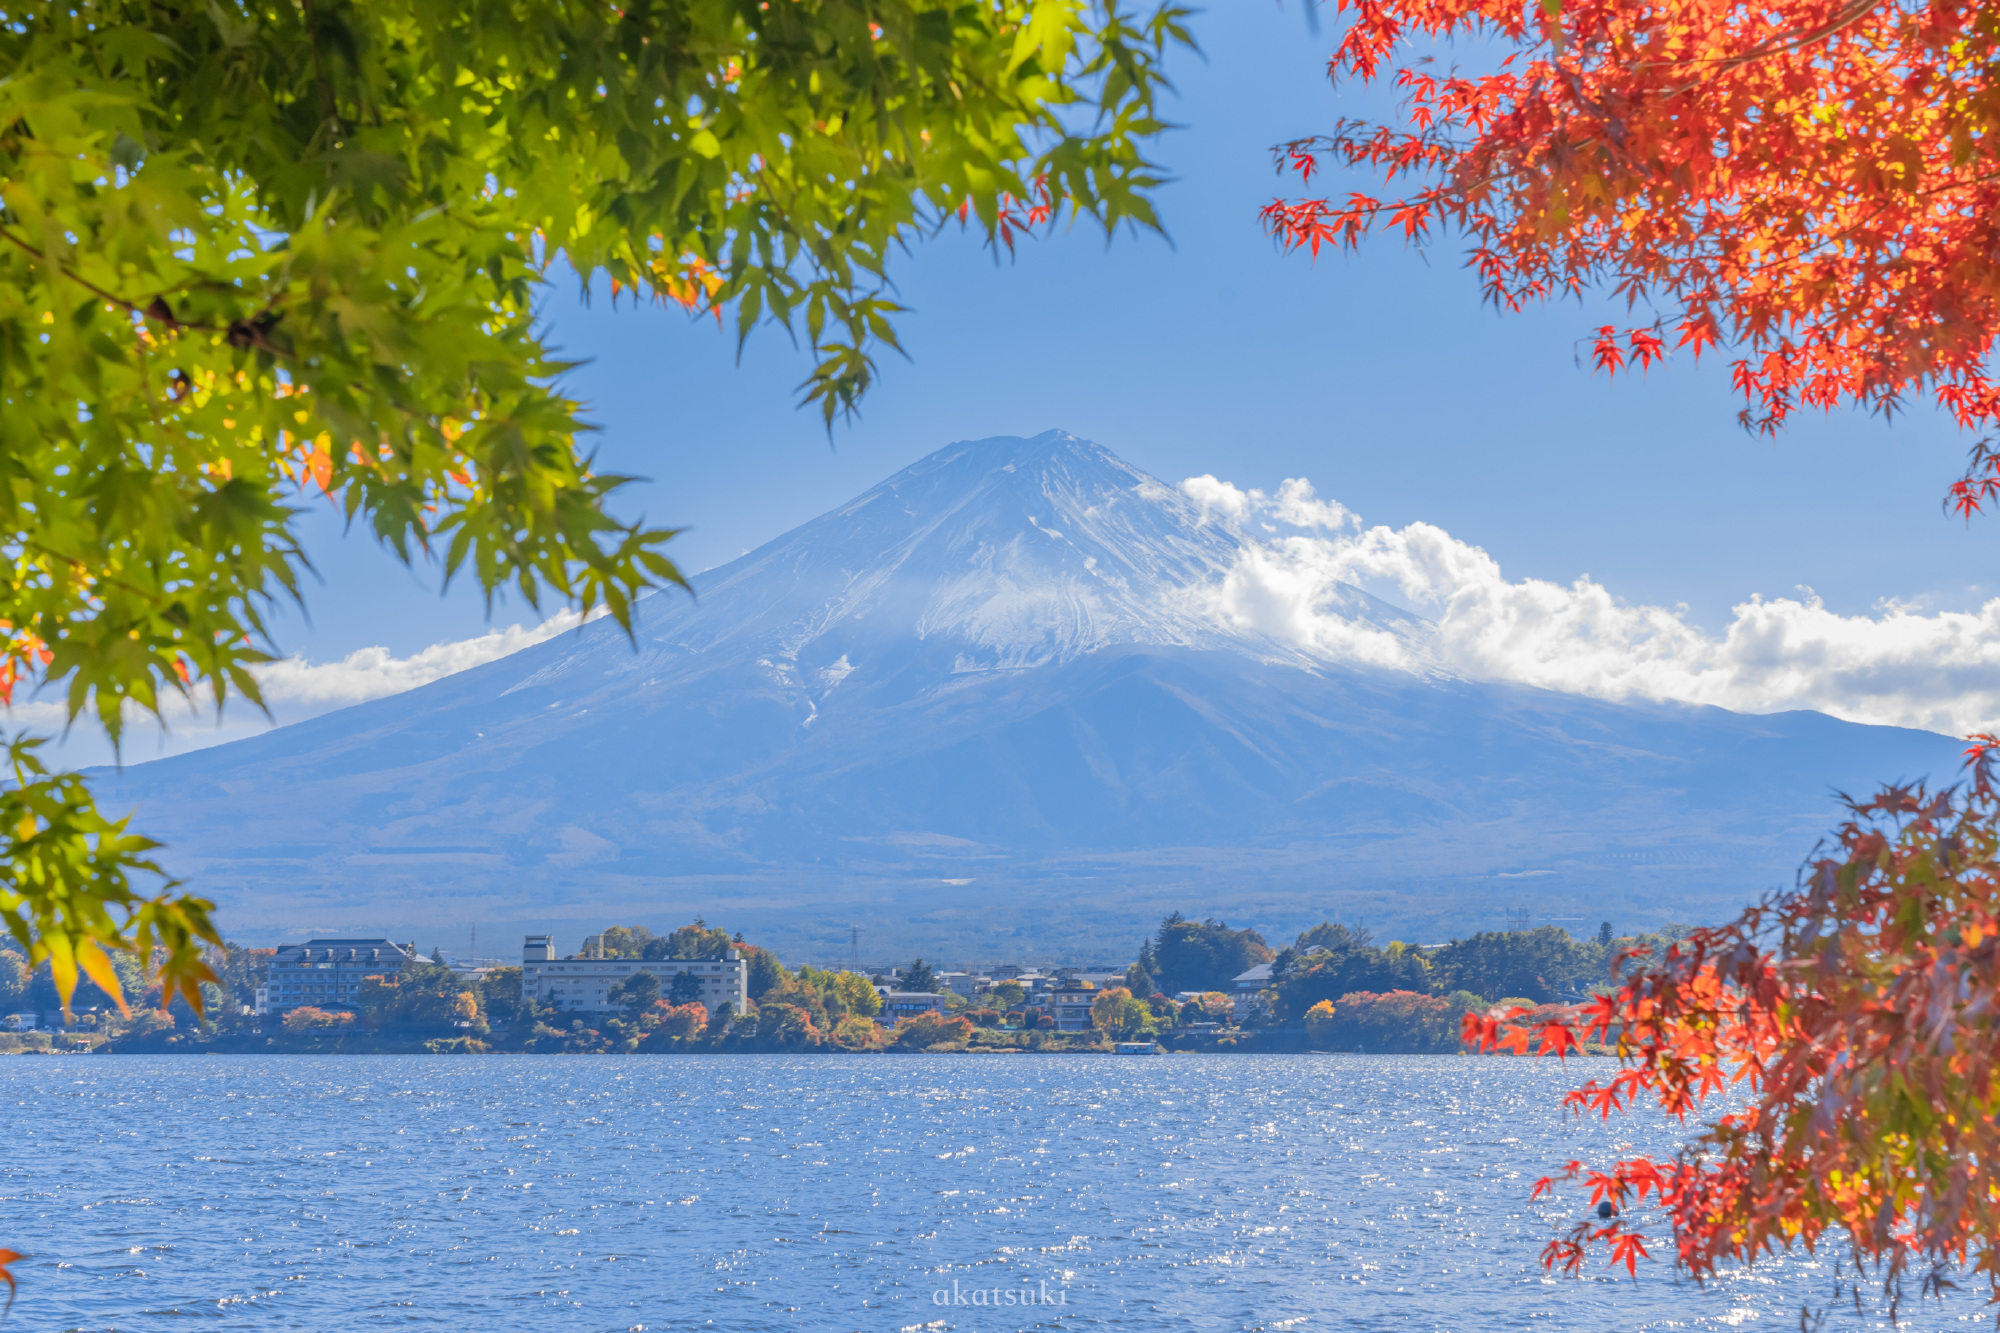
(275, 1049)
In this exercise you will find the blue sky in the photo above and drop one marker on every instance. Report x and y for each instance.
(1380, 377)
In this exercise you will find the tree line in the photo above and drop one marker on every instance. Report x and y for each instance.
(1331, 959)
(1184, 976)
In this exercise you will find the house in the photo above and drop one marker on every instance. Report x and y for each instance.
(898, 1005)
(1069, 1005)
(963, 984)
(328, 973)
(473, 969)
(583, 984)
(1247, 993)
(1256, 979)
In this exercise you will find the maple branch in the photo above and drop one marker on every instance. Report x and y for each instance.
(148, 312)
(240, 333)
(1846, 18)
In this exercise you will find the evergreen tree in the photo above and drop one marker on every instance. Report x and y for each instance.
(637, 992)
(685, 989)
(719, 1021)
(919, 977)
(1331, 960)
(1205, 955)
(766, 972)
(1530, 964)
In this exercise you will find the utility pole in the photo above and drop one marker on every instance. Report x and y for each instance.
(854, 948)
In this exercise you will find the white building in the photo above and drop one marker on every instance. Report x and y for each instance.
(584, 984)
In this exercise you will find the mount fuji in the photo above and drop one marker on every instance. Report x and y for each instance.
(987, 707)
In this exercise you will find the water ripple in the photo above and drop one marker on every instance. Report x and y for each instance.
(825, 1193)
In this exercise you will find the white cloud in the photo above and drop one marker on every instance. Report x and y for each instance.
(370, 673)
(1901, 665)
(1295, 504)
(294, 689)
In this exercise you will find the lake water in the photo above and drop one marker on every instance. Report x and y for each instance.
(824, 1193)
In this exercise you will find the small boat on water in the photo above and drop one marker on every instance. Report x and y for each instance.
(1138, 1048)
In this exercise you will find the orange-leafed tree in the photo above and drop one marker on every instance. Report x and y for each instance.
(925, 1031)
(681, 1021)
(1852, 1026)
(1812, 184)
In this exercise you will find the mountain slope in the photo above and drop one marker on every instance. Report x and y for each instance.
(982, 706)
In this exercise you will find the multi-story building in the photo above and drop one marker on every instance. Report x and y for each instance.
(328, 973)
(1246, 996)
(583, 984)
(1069, 1004)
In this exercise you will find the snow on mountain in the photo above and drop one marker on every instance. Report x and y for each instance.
(991, 555)
(990, 706)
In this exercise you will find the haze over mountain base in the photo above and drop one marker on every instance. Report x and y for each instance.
(984, 710)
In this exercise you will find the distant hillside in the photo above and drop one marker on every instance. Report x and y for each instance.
(980, 709)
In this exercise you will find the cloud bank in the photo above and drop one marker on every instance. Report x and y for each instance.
(1901, 666)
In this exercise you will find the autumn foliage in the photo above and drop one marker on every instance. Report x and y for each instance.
(1399, 1021)
(924, 1031)
(1813, 183)
(679, 1022)
(1854, 1023)
(308, 1018)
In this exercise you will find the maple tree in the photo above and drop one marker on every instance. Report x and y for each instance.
(1852, 1023)
(680, 1022)
(255, 254)
(924, 1031)
(1814, 183)
(1399, 1021)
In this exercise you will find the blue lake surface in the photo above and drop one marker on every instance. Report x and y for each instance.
(826, 1192)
